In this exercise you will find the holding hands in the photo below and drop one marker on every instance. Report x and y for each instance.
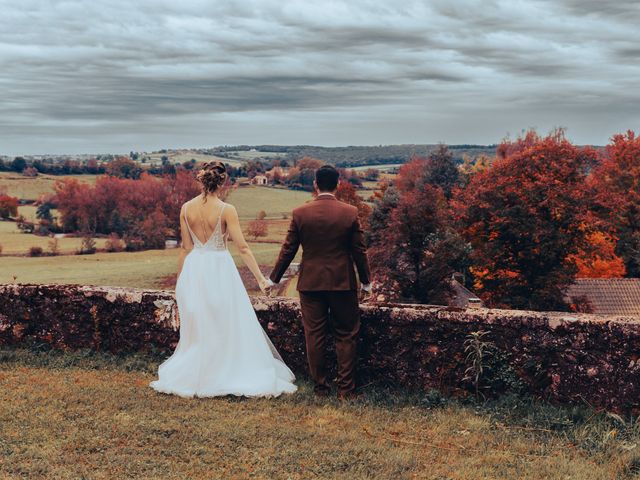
(266, 286)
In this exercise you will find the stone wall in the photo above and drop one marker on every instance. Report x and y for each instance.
(568, 358)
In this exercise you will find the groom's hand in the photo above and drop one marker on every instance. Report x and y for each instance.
(365, 292)
(269, 288)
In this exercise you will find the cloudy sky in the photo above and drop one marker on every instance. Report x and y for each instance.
(112, 76)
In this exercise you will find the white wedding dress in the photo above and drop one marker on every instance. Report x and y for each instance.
(223, 350)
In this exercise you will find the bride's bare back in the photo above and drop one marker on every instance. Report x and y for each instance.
(206, 219)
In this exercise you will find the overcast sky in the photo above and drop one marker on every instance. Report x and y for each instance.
(112, 76)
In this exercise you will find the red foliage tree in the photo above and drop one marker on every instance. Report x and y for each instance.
(525, 217)
(616, 191)
(347, 193)
(144, 211)
(414, 249)
(8, 206)
(123, 167)
(74, 200)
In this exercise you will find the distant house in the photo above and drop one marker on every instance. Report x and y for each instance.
(259, 180)
(605, 296)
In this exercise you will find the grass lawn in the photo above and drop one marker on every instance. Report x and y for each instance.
(30, 188)
(126, 269)
(91, 415)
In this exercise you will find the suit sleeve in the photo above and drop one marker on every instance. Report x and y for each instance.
(287, 252)
(359, 253)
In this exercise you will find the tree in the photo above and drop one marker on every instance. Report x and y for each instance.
(76, 204)
(416, 254)
(257, 228)
(123, 167)
(616, 191)
(437, 169)
(347, 193)
(18, 164)
(309, 163)
(43, 212)
(526, 217)
(149, 233)
(8, 206)
(414, 248)
(442, 170)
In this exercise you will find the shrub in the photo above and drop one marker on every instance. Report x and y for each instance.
(114, 244)
(35, 251)
(261, 215)
(257, 228)
(54, 247)
(88, 245)
(24, 225)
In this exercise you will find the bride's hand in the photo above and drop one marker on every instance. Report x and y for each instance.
(265, 285)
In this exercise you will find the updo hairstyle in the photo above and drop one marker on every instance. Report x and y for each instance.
(212, 176)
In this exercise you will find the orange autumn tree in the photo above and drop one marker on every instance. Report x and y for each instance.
(616, 193)
(525, 218)
(598, 259)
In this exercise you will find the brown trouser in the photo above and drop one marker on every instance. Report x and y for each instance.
(339, 311)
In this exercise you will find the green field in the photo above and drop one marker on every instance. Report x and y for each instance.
(382, 168)
(181, 157)
(276, 202)
(31, 188)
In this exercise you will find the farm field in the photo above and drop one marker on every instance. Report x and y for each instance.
(14, 242)
(181, 157)
(382, 168)
(145, 269)
(31, 188)
(276, 202)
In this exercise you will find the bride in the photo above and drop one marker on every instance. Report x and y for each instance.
(223, 350)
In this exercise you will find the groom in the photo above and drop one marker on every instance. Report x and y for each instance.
(332, 242)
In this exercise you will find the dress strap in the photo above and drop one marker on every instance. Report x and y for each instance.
(219, 223)
(186, 220)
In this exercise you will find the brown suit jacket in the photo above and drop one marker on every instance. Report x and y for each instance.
(332, 241)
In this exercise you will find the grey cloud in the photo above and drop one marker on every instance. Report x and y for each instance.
(156, 73)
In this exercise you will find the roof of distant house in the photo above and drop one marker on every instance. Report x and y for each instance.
(462, 296)
(608, 296)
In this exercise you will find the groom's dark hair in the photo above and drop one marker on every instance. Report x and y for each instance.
(327, 178)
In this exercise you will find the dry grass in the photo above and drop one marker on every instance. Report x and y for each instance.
(87, 415)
